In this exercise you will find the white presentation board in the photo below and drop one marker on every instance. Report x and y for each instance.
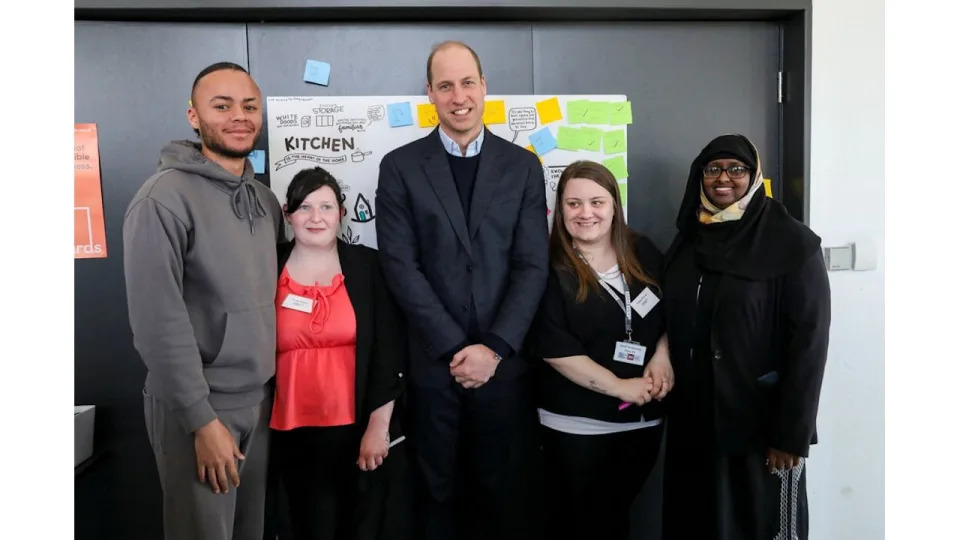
(349, 135)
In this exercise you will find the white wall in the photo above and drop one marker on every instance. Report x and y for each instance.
(846, 475)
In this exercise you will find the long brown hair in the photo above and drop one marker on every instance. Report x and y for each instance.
(563, 256)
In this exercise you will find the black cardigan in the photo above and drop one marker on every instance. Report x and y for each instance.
(381, 335)
(766, 349)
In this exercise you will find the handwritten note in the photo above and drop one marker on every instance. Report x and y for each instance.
(617, 166)
(543, 141)
(494, 112)
(598, 112)
(549, 110)
(427, 115)
(317, 72)
(577, 111)
(568, 138)
(615, 141)
(591, 139)
(399, 114)
(621, 114)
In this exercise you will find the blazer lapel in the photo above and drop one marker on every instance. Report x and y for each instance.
(437, 169)
(489, 173)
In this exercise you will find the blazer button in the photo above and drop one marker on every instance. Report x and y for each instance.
(469, 268)
(465, 307)
(717, 355)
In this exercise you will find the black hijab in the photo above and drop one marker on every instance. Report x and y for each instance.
(764, 243)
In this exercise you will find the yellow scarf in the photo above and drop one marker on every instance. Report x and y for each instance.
(709, 213)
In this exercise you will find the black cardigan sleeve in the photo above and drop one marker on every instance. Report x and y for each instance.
(389, 344)
(805, 315)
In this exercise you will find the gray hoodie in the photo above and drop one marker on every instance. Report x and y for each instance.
(200, 262)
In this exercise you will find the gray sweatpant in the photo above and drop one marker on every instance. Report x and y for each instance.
(191, 510)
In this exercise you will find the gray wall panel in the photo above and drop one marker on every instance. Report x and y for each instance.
(132, 80)
(687, 82)
(381, 59)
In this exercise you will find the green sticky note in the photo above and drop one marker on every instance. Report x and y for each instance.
(621, 114)
(623, 192)
(615, 141)
(577, 111)
(618, 166)
(591, 139)
(598, 112)
(568, 138)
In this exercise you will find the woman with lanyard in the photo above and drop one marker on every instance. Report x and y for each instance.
(747, 303)
(600, 329)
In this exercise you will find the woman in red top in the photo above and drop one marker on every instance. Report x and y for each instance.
(339, 358)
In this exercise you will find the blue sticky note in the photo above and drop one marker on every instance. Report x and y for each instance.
(258, 158)
(400, 114)
(543, 141)
(317, 72)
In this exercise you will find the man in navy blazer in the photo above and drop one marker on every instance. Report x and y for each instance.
(462, 233)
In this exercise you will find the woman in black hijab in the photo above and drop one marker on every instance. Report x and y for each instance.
(747, 303)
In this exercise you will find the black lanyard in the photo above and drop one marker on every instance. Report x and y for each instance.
(627, 310)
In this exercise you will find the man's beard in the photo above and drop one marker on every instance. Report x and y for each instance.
(213, 141)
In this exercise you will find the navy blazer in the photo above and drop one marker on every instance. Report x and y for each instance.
(433, 259)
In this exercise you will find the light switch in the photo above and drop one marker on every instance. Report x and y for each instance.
(838, 258)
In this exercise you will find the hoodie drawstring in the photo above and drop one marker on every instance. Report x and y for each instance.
(246, 204)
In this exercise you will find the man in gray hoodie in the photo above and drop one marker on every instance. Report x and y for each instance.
(199, 242)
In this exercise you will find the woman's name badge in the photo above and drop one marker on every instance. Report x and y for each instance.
(298, 303)
(644, 302)
(630, 352)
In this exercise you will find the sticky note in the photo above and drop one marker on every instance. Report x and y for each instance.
(258, 158)
(598, 112)
(577, 111)
(549, 110)
(768, 187)
(399, 114)
(621, 114)
(615, 141)
(427, 115)
(623, 192)
(591, 139)
(568, 138)
(317, 72)
(494, 112)
(617, 166)
(543, 141)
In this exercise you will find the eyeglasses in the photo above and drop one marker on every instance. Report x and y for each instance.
(734, 172)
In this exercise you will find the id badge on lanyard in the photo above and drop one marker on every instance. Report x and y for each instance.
(628, 351)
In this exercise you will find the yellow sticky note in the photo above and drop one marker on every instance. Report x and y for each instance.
(768, 187)
(530, 148)
(494, 112)
(427, 115)
(549, 110)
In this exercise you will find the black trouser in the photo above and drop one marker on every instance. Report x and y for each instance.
(590, 481)
(475, 459)
(318, 469)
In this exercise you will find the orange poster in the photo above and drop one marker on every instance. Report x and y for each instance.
(89, 237)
